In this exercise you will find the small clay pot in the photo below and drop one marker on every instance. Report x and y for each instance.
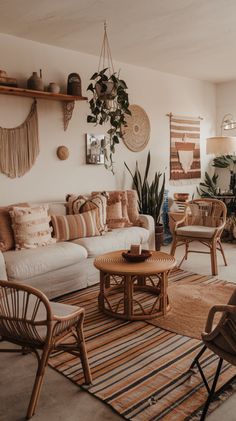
(54, 88)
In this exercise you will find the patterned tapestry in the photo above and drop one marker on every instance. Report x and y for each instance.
(185, 163)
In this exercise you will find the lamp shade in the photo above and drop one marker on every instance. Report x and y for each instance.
(221, 145)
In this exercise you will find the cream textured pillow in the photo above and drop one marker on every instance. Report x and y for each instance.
(70, 227)
(31, 227)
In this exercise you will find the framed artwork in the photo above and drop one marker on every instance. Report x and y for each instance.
(95, 148)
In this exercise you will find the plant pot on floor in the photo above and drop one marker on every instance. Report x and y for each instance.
(159, 236)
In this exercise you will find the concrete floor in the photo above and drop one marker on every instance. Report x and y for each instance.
(61, 399)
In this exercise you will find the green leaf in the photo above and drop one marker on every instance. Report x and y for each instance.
(115, 139)
(91, 119)
(90, 87)
(123, 84)
(95, 75)
(103, 71)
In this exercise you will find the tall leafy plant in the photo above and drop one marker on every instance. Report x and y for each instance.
(150, 195)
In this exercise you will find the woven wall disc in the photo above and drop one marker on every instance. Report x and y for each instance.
(62, 152)
(137, 133)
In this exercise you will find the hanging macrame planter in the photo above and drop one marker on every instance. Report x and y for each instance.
(109, 103)
(19, 146)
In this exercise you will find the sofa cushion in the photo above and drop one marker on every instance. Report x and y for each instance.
(122, 196)
(6, 232)
(132, 207)
(23, 264)
(81, 204)
(31, 226)
(69, 227)
(129, 203)
(118, 239)
(7, 241)
(114, 214)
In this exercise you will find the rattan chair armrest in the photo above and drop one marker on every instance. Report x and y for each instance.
(69, 316)
(181, 221)
(220, 227)
(216, 309)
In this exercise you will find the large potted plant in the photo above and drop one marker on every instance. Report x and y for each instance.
(109, 104)
(150, 196)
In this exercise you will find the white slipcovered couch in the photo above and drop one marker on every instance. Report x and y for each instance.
(64, 267)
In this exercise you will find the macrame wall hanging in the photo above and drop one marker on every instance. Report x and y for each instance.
(185, 162)
(19, 146)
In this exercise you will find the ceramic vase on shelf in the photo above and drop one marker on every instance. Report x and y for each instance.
(35, 82)
(54, 88)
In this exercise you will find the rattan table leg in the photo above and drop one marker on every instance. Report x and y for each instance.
(163, 295)
(141, 280)
(101, 297)
(128, 296)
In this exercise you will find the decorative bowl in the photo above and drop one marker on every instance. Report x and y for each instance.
(181, 197)
(135, 258)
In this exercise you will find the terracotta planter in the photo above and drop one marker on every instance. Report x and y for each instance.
(159, 236)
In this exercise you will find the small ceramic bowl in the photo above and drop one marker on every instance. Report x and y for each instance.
(135, 258)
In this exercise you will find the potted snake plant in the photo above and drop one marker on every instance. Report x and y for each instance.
(150, 196)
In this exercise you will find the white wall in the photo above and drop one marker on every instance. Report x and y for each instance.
(225, 103)
(158, 93)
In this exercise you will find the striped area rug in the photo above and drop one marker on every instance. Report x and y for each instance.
(139, 369)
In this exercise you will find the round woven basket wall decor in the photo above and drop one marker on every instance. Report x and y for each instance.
(62, 152)
(137, 133)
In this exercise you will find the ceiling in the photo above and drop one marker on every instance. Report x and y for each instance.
(193, 38)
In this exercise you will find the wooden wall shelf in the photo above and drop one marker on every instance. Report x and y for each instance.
(7, 90)
(68, 100)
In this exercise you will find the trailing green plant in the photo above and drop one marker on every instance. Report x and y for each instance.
(224, 161)
(109, 104)
(150, 195)
(209, 187)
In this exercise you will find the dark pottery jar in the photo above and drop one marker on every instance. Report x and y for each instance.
(74, 84)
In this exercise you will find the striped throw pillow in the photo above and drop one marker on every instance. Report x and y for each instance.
(70, 227)
(31, 227)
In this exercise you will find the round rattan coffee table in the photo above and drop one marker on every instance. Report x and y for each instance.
(134, 291)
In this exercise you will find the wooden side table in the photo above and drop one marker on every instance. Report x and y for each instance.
(134, 291)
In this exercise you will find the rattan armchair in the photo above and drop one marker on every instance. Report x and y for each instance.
(30, 320)
(220, 339)
(203, 221)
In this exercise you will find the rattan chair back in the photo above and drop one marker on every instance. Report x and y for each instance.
(25, 314)
(205, 212)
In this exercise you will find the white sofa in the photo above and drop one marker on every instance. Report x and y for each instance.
(68, 266)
